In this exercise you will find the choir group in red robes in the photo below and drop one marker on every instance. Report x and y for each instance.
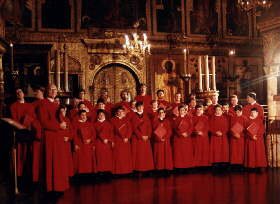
(141, 135)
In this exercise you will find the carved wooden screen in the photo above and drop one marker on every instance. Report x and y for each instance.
(114, 78)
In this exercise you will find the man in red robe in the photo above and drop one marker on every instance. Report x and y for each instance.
(141, 145)
(182, 141)
(200, 138)
(173, 111)
(124, 103)
(211, 108)
(252, 103)
(162, 103)
(162, 132)
(238, 124)
(104, 95)
(191, 106)
(143, 97)
(233, 100)
(219, 148)
(57, 178)
(122, 137)
(84, 140)
(255, 156)
(152, 112)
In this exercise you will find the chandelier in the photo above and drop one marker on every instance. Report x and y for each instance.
(135, 44)
(248, 5)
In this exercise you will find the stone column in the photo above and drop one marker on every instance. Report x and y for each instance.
(206, 73)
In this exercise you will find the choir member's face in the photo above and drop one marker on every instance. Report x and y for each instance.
(120, 113)
(238, 113)
(250, 99)
(199, 111)
(124, 96)
(186, 108)
(82, 95)
(38, 94)
(155, 105)
(57, 100)
(225, 108)
(254, 114)
(143, 89)
(214, 99)
(63, 111)
(101, 106)
(182, 112)
(178, 97)
(101, 116)
(160, 95)
(161, 114)
(19, 94)
(218, 111)
(208, 102)
(140, 108)
(104, 94)
(82, 107)
(52, 91)
(83, 116)
(133, 104)
(193, 103)
(234, 101)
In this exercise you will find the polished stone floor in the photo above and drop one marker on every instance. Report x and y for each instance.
(201, 187)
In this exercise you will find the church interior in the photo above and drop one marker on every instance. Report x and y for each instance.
(191, 47)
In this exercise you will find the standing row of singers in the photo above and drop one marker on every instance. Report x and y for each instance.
(142, 135)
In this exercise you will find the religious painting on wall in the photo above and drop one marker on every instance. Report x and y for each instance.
(237, 20)
(169, 18)
(114, 14)
(204, 17)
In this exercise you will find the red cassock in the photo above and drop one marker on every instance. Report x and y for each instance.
(231, 111)
(141, 149)
(255, 149)
(152, 114)
(247, 110)
(183, 146)
(147, 99)
(192, 111)
(201, 142)
(68, 145)
(219, 147)
(104, 153)
(24, 114)
(210, 110)
(162, 132)
(85, 139)
(163, 103)
(173, 112)
(122, 150)
(236, 143)
(55, 157)
(126, 106)
(37, 148)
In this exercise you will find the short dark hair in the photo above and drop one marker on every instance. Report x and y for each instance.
(252, 95)
(139, 103)
(238, 108)
(161, 109)
(198, 106)
(100, 100)
(100, 111)
(217, 106)
(81, 111)
(160, 90)
(254, 109)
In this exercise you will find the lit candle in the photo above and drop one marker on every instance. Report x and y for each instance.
(185, 62)
(214, 73)
(206, 73)
(200, 74)
(12, 56)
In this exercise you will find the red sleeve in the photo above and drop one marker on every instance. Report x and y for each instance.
(47, 121)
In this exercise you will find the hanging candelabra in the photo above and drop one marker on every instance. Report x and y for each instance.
(248, 5)
(136, 44)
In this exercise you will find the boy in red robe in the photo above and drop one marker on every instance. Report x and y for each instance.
(162, 103)
(57, 178)
(104, 143)
(255, 156)
(153, 112)
(219, 148)
(182, 141)
(141, 145)
(200, 138)
(233, 100)
(173, 112)
(162, 132)
(238, 124)
(84, 140)
(191, 106)
(211, 107)
(122, 137)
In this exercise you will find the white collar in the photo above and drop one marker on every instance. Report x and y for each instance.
(51, 99)
(253, 103)
(140, 113)
(101, 120)
(21, 101)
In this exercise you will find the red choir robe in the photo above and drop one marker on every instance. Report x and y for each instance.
(142, 150)
(122, 150)
(147, 99)
(247, 110)
(236, 143)
(191, 111)
(231, 111)
(55, 157)
(68, 145)
(24, 113)
(255, 155)
(37, 148)
(104, 153)
(201, 142)
(163, 103)
(126, 106)
(219, 147)
(85, 160)
(183, 146)
(210, 110)
(88, 104)
(173, 112)
(152, 114)
(162, 132)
